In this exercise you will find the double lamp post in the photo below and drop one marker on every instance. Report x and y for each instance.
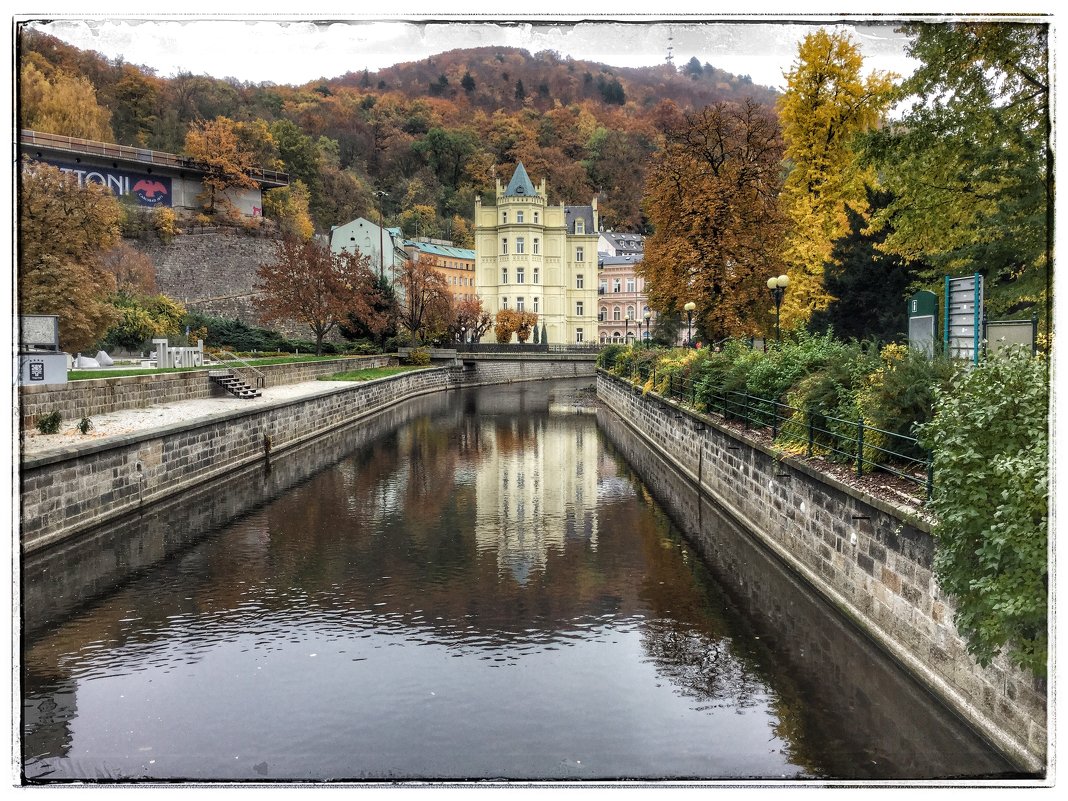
(778, 285)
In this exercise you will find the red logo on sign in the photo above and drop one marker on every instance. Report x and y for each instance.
(149, 191)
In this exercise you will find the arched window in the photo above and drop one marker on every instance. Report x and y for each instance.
(615, 312)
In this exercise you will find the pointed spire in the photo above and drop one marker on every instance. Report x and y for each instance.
(520, 184)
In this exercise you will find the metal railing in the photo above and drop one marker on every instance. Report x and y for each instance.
(90, 147)
(868, 448)
(261, 379)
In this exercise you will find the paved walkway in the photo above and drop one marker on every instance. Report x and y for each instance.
(129, 421)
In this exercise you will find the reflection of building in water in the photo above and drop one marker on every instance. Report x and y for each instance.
(536, 490)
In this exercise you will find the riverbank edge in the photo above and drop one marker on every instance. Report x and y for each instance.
(874, 569)
(71, 489)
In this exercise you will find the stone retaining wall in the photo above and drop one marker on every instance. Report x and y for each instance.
(870, 560)
(102, 395)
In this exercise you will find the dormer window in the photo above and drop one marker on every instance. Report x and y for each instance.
(580, 226)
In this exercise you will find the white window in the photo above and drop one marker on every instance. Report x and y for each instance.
(615, 285)
(504, 218)
(520, 245)
(519, 304)
(504, 246)
(615, 312)
(579, 282)
(519, 216)
(580, 254)
(535, 218)
(519, 275)
(535, 304)
(630, 312)
(537, 276)
(580, 226)
(504, 275)
(603, 314)
(578, 336)
(630, 284)
(537, 246)
(504, 303)
(578, 308)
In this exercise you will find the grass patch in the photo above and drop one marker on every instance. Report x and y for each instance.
(370, 373)
(84, 375)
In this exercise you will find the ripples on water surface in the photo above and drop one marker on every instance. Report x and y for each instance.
(485, 590)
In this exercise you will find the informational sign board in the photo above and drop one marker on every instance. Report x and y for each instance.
(42, 368)
(923, 322)
(39, 331)
(1005, 333)
(145, 188)
(964, 317)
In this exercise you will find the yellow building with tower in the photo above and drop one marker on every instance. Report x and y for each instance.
(531, 256)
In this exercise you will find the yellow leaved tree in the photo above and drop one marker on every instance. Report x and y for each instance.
(827, 103)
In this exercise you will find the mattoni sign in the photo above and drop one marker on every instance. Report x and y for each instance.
(148, 190)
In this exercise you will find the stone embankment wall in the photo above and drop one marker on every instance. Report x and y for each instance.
(102, 395)
(870, 560)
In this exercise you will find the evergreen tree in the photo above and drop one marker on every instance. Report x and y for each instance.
(869, 286)
(520, 92)
(468, 83)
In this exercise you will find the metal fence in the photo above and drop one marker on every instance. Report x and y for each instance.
(867, 448)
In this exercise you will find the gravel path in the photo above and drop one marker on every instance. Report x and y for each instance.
(129, 421)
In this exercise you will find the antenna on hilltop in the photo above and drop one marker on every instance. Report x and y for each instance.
(670, 54)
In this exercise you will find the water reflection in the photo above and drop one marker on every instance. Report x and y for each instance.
(476, 586)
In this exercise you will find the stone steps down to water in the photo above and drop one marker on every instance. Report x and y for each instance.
(232, 384)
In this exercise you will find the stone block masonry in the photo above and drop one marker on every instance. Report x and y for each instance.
(102, 395)
(871, 561)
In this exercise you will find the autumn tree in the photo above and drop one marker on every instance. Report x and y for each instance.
(216, 147)
(426, 303)
(133, 271)
(63, 104)
(308, 284)
(471, 320)
(63, 275)
(512, 321)
(826, 105)
(143, 318)
(969, 161)
(288, 206)
(712, 196)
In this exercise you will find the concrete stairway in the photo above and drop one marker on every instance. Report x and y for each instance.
(232, 384)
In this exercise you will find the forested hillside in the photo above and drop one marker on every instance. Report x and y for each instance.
(416, 141)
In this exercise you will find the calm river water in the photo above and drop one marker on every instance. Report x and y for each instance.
(475, 585)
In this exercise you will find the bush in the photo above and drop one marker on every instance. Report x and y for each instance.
(990, 442)
(49, 423)
(419, 357)
(84, 425)
(606, 359)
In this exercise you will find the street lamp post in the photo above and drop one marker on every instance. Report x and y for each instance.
(778, 285)
(381, 237)
(463, 336)
(647, 316)
(689, 307)
(626, 330)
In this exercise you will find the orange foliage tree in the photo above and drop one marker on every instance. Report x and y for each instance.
(308, 284)
(510, 321)
(712, 195)
(473, 319)
(426, 303)
(217, 147)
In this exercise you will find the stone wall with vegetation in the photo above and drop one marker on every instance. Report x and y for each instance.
(90, 397)
(870, 560)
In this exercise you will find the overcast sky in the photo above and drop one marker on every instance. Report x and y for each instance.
(292, 51)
